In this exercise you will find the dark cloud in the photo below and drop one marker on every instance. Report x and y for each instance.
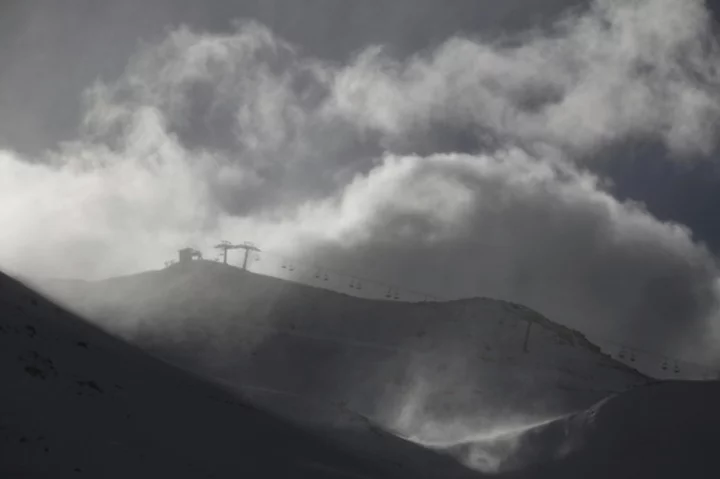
(672, 190)
(53, 50)
(244, 134)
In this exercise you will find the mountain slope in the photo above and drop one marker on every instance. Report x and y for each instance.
(404, 364)
(76, 402)
(662, 430)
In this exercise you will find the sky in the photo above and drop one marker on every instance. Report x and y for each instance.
(556, 153)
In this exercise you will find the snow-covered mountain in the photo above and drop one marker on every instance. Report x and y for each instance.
(415, 367)
(76, 402)
(663, 430)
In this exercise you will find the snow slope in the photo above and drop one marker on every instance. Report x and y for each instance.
(406, 365)
(663, 430)
(76, 402)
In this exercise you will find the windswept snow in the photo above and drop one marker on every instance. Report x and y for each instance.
(76, 402)
(414, 367)
(663, 430)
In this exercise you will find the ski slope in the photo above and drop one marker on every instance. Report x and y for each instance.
(663, 430)
(403, 364)
(76, 402)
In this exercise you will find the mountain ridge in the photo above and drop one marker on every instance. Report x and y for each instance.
(374, 356)
(78, 401)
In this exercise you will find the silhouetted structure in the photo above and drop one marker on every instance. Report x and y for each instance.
(225, 246)
(186, 255)
(247, 246)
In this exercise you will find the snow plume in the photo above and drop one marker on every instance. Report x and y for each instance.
(461, 170)
(489, 442)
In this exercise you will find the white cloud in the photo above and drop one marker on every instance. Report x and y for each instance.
(628, 68)
(523, 228)
(241, 136)
(91, 211)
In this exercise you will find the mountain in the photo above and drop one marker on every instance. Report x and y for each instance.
(77, 402)
(668, 429)
(417, 368)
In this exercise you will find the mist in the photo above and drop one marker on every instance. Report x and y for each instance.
(465, 169)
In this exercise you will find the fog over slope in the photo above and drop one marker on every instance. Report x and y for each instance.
(432, 371)
(80, 402)
(462, 170)
(77, 402)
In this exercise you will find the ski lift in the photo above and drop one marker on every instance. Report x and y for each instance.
(664, 365)
(326, 277)
(352, 284)
(317, 274)
(632, 356)
(358, 285)
(284, 266)
(396, 296)
(622, 353)
(676, 369)
(389, 293)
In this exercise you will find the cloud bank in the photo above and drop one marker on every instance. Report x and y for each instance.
(461, 170)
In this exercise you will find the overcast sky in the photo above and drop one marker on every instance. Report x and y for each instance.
(557, 153)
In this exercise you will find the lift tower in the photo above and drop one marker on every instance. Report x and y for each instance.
(225, 246)
(247, 246)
